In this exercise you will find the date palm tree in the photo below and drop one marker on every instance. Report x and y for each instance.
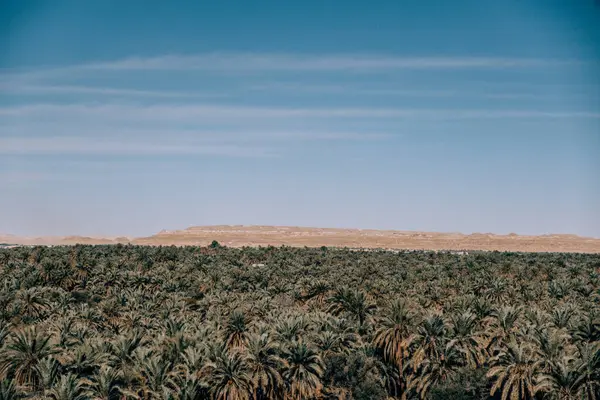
(394, 334)
(355, 303)
(290, 328)
(303, 372)
(84, 360)
(561, 316)
(588, 370)
(69, 387)
(513, 369)
(466, 339)
(106, 384)
(22, 356)
(49, 371)
(236, 331)
(31, 302)
(264, 364)
(123, 350)
(436, 370)
(228, 377)
(430, 340)
(154, 375)
(502, 325)
(63, 330)
(551, 345)
(190, 388)
(560, 380)
(588, 329)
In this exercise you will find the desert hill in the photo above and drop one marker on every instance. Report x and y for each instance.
(240, 235)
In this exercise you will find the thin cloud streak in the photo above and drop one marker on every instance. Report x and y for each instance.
(81, 146)
(273, 62)
(176, 134)
(109, 91)
(291, 87)
(286, 88)
(206, 112)
(315, 63)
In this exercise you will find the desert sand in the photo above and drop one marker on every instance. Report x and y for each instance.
(239, 235)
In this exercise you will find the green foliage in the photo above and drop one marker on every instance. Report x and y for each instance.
(133, 322)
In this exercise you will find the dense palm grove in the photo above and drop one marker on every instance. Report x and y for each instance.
(116, 322)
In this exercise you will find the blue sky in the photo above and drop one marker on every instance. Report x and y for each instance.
(121, 117)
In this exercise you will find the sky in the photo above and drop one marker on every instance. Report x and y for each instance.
(129, 117)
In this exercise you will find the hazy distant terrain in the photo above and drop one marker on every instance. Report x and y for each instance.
(238, 236)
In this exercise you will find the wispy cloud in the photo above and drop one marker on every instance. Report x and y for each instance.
(224, 113)
(326, 88)
(299, 62)
(288, 87)
(307, 63)
(98, 146)
(108, 91)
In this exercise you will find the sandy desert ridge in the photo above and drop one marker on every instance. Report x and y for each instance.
(241, 235)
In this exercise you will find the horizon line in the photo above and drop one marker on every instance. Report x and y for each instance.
(300, 227)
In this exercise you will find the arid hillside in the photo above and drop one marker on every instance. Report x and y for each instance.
(237, 236)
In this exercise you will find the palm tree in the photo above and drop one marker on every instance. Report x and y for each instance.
(588, 370)
(466, 339)
(49, 371)
(228, 377)
(432, 371)
(84, 361)
(69, 387)
(353, 302)
(190, 388)
(317, 291)
(192, 361)
(236, 330)
(430, 340)
(154, 375)
(303, 372)
(497, 291)
(31, 302)
(64, 331)
(123, 350)
(106, 384)
(550, 344)
(264, 364)
(560, 380)
(290, 328)
(174, 347)
(561, 316)
(394, 335)
(21, 357)
(330, 343)
(503, 324)
(588, 330)
(513, 369)
(482, 307)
